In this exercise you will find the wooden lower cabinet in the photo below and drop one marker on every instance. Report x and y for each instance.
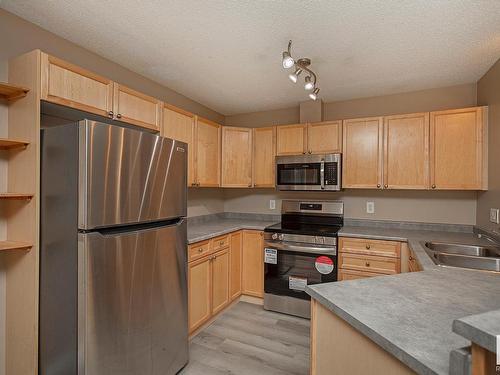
(235, 253)
(253, 263)
(199, 292)
(220, 280)
(360, 258)
(413, 264)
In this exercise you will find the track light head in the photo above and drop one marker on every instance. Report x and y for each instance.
(287, 60)
(294, 76)
(314, 95)
(309, 85)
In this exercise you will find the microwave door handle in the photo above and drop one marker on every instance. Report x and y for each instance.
(322, 174)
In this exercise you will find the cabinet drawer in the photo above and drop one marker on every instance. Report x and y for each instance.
(220, 243)
(370, 247)
(345, 274)
(370, 263)
(198, 250)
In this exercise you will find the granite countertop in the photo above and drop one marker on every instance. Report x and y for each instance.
(411, 314)
(217, 225)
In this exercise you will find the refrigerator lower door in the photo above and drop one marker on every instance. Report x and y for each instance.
(132, 302)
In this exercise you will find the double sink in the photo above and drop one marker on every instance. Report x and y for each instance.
(485, 258)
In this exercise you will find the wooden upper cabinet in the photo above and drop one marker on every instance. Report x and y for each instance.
(324, 137)
(136, 108)
(67, 84)
(179, 125)
(362, 153)
(264, 152)
(236, 157)
(207, 159)
(406, 151)
(459, 149)
(291, 139)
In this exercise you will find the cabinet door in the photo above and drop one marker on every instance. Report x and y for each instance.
(264, 152)
(291, 139)
(362, 153)
(199, 291)
(136, 108)
(253, 264)
(220, 280)
(72, 86)
(179, 125)
(207, 158)
(406, 151)
(324, 137)
(459, 149)
(236, 157)
(235, 264)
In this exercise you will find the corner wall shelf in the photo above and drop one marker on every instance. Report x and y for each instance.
(14, 245)
(16, 196)
(10, 144)
(12, 92)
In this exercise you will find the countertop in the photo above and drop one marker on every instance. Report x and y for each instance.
(411, 315)
(217, 226)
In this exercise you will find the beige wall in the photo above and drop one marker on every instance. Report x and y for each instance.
(488, 93)
(428, 206)
(18, 36)
(433, 207)
(417, 101)
(205, 201)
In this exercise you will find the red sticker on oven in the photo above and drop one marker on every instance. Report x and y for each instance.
(324, 265)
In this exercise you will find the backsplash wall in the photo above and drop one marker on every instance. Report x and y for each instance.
(397, 205)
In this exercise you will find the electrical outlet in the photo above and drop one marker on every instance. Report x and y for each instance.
(370, 207)
(495, 215)
(272, 204)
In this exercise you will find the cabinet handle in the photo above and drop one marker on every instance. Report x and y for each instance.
(367, 264)
(200, 250)
(221, 243)
(433, 186)
(378, 185)
(110, 114)
(386, 186)
(310, 151)
(410, 258)
(368, 246)
(118, 116)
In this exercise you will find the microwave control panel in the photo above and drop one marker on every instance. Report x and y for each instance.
(331, 173)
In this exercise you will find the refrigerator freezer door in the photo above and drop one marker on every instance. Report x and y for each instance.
(129, 176)
(132, 314)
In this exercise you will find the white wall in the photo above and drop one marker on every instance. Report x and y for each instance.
(419, 206)
(3, 229)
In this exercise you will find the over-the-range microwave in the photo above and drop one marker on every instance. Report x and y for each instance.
(309, 172)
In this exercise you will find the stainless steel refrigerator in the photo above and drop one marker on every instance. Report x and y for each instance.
(113, 285)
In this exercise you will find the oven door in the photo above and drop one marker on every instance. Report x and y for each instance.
(290, 267)
(299, 172)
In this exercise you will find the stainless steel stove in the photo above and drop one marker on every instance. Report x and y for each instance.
(300, 251)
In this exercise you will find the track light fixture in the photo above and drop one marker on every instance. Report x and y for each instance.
(300, 66)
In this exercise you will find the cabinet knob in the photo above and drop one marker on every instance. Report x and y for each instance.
(378, 185)
(303, 153)
(118, 116)
(386, 186)
(368, 246)
(193, 184)
(110, 114)
(200, 250)
(310, 151)
(367, 264)
(410, 258)
(433, 186)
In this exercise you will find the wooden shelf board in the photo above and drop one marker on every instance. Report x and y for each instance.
(14, 245)
(16, 196)
(9, 144)
(12, 92)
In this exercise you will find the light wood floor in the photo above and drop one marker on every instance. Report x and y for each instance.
(246, 339)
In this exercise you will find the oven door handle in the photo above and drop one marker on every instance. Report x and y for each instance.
(300, 248)
(322, 173)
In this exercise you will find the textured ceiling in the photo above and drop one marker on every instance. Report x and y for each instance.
(226, 54)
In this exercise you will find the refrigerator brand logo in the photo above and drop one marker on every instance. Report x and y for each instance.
(180, 149)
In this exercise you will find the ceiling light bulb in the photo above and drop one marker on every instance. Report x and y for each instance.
(287, 60)
(293, 77)
(314, 94)
(309, 85)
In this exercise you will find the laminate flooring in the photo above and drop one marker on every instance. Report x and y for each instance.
(248, 340)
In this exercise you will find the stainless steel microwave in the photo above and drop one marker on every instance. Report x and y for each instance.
(309, 172)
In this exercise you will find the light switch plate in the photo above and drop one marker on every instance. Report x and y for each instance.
(272, 204)
(494, 215)
(370, 207)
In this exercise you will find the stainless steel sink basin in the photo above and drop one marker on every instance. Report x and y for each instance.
(486, 258)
